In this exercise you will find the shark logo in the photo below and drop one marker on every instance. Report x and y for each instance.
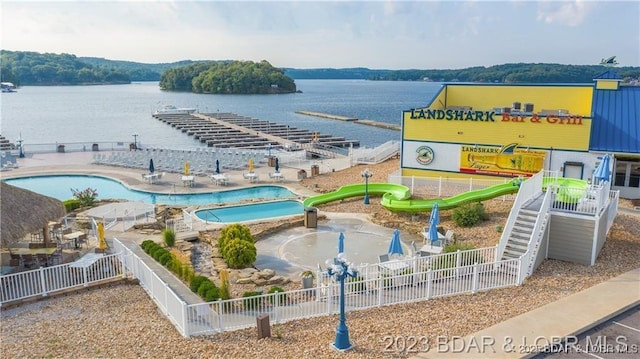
(424, 155)
(609, 62)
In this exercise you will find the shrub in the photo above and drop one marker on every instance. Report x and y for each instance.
(86, 197)
(252, 301)
(239, 253)
(469, 215)
(212, 294)
(169, 237)
(281, 299)
(71, 204)
(233, 231)
(195, 282)
(165, 258)
(224, 284)
(145, 244)
(204, 287)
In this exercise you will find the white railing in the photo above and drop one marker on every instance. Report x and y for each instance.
(108, 221)
(590, 200)
(409, 286)
(537, 234)
(165, 298)
(528, 190)
(443, 186)
(423, 278)
(47, 280)
(614, 196)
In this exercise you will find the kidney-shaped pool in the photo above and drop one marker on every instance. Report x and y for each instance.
(61, 187)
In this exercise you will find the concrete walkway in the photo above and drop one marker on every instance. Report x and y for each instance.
(132, 241)
(525, 336)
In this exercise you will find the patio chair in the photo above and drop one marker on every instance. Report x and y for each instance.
(383, 258)
(449, 237)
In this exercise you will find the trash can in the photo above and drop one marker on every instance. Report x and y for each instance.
(311, 217)
(271, 161)
(94, 147)
(61, 148)
(315, 170)
(302, 174)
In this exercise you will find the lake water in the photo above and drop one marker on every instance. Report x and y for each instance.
(113, 113)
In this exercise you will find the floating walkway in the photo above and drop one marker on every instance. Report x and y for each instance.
(351, 119)
(224, 130)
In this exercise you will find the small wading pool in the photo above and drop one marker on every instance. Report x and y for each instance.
(248, 212)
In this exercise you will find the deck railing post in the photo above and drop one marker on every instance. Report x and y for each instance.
(43, 282)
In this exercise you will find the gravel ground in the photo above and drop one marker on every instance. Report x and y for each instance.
(122, 322)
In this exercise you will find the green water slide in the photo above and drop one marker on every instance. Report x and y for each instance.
(396, 197)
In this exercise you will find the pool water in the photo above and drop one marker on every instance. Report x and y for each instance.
(60, 187)
(233, 214)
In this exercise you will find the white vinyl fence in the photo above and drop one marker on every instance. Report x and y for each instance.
(419, 279)
(48, 280)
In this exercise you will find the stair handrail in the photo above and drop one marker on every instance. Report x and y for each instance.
(528, 189)
(528, 259)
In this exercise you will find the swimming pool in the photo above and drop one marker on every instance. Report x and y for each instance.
(233, 214)
(60, 186)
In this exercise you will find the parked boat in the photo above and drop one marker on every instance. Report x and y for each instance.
(173, 110)
(8, 87)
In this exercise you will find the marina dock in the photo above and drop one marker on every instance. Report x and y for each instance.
(224, 130)
(372, 123)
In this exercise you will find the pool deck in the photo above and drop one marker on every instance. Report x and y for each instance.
(81, 163)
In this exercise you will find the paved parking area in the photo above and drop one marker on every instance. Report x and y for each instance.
(617, 338)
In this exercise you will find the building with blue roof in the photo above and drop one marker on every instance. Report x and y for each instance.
(512, 130)
(616, 129)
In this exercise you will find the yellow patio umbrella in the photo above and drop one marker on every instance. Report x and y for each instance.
(102, 243)
(186, 168)
(250, 165)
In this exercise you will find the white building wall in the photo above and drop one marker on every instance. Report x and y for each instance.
(446, 156)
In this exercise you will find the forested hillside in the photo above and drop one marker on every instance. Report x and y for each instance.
(514, 73)
(32, 68)
(228, 76)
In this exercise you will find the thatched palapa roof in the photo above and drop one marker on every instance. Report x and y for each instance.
(23, 212)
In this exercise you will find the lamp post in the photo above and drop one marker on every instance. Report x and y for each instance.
(341, 268)
(20, 141)
(135, 141)
(366, 174)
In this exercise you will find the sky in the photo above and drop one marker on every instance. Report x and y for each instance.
(330, 34)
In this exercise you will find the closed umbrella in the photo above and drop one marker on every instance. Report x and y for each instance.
(250, 165)
(395, 247)
(602, 173)
(218, 166)
(434, 220)
(186, 168)
(341, 243)
(151, 167)
(102, 243)
(277, 167)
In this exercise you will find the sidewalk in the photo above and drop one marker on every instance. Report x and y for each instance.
(520, 337)
(131, 241)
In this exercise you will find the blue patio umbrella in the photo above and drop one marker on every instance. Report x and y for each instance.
(277, 165)
(341, 243)
(218, 166)
(602, 173)
(395, 247)
(434, 220)
(151, 168)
